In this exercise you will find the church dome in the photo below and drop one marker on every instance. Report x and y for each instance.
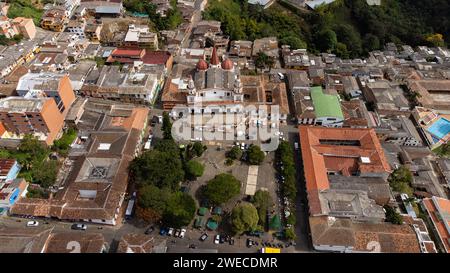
(202, 65)
(227, 64)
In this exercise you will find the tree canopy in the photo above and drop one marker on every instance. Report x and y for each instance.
(400, 180)
(157, 168)
(222, 188)
(348, 28)
(255, 155)
(262, 201)
(244, 217)
(392, 215)
(180, 210)
(194, 168)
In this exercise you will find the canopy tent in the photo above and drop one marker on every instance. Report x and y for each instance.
(275, 223)
(199, 222)
(212, 225)
(217, 210)
(202, 211)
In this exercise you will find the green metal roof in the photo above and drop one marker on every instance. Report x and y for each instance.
(325, 105)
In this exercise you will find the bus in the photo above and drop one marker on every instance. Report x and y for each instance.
(270, 250)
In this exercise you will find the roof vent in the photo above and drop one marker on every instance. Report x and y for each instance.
(365, 160)
(104, 146)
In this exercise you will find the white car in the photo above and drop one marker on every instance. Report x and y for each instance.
(32, 223)
(182, 233)
(170, 233)
(217, 239)
(160, 119)
(296, 145)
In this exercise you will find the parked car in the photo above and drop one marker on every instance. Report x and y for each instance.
(163, 231)
(192, 246)
(79, 227)
(160, 119)
(32, 223)
(217, 239)
(203, 237)
(182, 233)
(222, 239)
(231, 241)
(149, 230)
(170, 232)
(177, 233)
(249, 242)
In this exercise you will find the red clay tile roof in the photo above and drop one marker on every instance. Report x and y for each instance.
(318, 158)
(363, 237)
(6, 165)
(156, 57)
(439, 211)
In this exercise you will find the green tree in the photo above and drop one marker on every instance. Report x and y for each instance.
(168, 146)
(167, 126)
(342, 51)
(153, 197)
(198, 148)
(326, 40)
(348, 35)
(222, 188)
(244, 217)
(180, 210)
(234, 153)
(32, 151)
(263, 202)
(255, 155)
(371, 42)
(400, 180)
(45, 173)
(194, 169)
(293, 42)
(157, 168)
(290, 234)
(392, 215)
(261, 60)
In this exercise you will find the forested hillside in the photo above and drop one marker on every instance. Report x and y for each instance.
(348, 28)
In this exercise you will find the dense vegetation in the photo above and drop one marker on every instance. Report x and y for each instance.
(33, 157)
(348, 28)
(263, 202)
(255, 155)
(158, 174)
(244, 217)
(248, 22)
(172, 19)
(24, 8)
(222, 188)
(285, 155)
(62, 145)
(400, 180)
(10, 41)
(443, 150)
(392, 215)
(174, 208)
